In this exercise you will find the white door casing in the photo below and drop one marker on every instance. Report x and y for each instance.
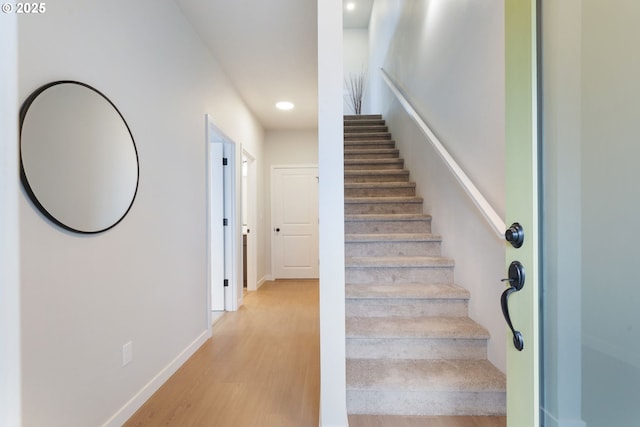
(294, 206)
(222, 204)
(215, 181)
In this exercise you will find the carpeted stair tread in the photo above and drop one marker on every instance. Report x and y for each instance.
(415, 327)
(432, 375)
(417, 291)
(379, 189)
(392, 237)
(367, 135)
(371, 153)
(399, 261)
(359, 117)
(364, 122)
(380, 162)
(373, 164)
(375, 144)
(388, 217)
(361, 140)
(402, 199)
(364, 127)
(375, 171)
(398, 184)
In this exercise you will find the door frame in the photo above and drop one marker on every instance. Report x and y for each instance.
(252, 222)
(233, 231)
(522, 205)
(215, 233)
(273, 224)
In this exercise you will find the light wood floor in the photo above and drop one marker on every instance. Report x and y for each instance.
(262, 369)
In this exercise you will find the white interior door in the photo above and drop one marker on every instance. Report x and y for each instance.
(294, 194)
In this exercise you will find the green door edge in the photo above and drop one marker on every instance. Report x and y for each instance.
(521, 158)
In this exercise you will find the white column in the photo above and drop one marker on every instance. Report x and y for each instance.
(333, 410)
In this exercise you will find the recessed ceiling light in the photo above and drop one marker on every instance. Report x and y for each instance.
(284, 105)
(351, 6)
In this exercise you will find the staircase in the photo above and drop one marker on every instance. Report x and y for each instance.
(411, 349)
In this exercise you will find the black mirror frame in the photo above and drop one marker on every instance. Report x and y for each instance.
(23, 177)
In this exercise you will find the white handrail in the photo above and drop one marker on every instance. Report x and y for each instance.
(472, 191)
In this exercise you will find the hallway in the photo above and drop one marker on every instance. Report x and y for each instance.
(261, 368)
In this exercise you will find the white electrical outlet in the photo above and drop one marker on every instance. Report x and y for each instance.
(127, 353)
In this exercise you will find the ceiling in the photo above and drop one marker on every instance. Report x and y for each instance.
(268, 49)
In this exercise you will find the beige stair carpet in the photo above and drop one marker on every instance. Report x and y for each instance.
(411, 348)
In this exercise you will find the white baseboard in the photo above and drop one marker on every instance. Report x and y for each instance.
(265, 278)
(215, 316)
(152, 386)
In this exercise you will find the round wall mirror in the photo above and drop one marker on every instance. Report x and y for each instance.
(79, 163)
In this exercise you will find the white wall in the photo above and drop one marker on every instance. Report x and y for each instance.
(355, 54)
(10, 395)
(382, 27)
(83, 297)
(290, 147)
(448, 57)
(283, 147)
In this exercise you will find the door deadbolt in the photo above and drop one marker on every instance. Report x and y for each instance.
(515, 235)
(515, 275)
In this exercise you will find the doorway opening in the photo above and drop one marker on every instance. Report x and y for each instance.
(249, 221)
(224, 223)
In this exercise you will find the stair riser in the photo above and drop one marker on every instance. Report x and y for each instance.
(363, 122)
(382, 208)
(398, 275)
(384, 176)
(360, 307)
(386, 248)
(369, 145)
(362, 117)
(372, 191)
(383, 227)
(417, 348)
(393, 402)
(369, 128)
(371, 154)
(381, 164)
(359, 136)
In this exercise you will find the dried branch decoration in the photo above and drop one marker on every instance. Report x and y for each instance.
(355, 88)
